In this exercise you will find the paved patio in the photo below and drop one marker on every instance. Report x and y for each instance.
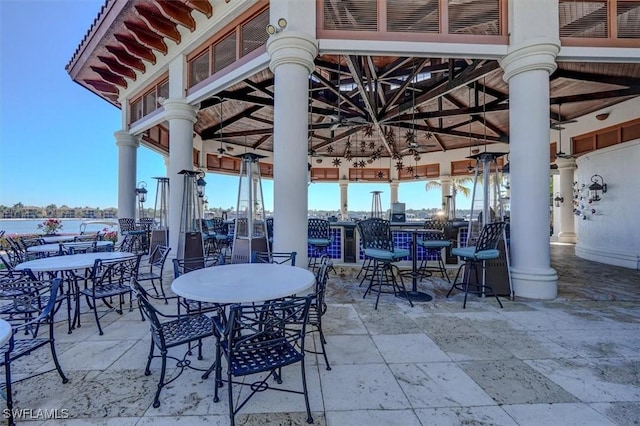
(574, 360)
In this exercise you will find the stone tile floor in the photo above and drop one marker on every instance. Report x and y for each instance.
(571, 361)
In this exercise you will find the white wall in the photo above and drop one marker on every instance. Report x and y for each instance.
(612, 234)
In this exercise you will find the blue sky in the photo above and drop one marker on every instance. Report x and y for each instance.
(56, 138)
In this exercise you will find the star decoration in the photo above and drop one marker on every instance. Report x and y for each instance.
(380, 174)
(396, 155)
(362, 164)
(428, 135)
(368, 131)
(372, 145)
(409, 137)
(375, 155)
(337, 162)
(347, 145)
(399, 165)
(355, 164)
(410, 169)
(347, 155)
(329, 149)
(391, 138)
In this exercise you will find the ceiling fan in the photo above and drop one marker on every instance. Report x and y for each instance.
(339, 121)
(416, 148)
(559, 126)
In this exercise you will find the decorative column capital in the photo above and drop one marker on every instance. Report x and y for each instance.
(533, 55)
(565, 163)
(179, 108)
(445, 179)
(292, 47)
(126, 139)
(343, 183)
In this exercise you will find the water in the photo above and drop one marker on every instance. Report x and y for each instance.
(69, 226)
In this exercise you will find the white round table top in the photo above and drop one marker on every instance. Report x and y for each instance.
(58, 239)
(243, 283)
(52, 248)
(5, 332)
(71, 262)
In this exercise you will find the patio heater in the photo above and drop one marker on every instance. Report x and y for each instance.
(498, 270)
(160, 231)
(190, 242)
(250, 234)
(376, 204)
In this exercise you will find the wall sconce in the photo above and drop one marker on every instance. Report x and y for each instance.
(272, 29)
(559, 199)
(597, 186)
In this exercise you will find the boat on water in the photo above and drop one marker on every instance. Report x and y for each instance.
(94, 226)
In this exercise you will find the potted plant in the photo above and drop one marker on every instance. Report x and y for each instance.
(50, 226)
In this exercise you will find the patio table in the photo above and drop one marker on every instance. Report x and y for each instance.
(414, 295)
(5, 332)
(58, 238)
(243, 283)
(55, 248)
(69, 264)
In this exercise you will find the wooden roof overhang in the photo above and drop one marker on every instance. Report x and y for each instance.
(360, 106)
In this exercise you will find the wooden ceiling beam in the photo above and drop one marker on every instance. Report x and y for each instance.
(136, 49)
(126, 59)
(357, 74)
(146, 37)
(177, 12)
(596, 78)
(333, 88)
(336, 138)
(215, 132)
(451, 132)
(156, 21)
(117, 68)
(260, 141)
(620, 93)
(403, 88)
(259, 87)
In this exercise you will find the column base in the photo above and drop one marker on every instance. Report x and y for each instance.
(535, 283)
(567, 237)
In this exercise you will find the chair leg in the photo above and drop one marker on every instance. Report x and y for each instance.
(8, 389)
(306, 394)
(55, 360)
(231, 409)
(323, 342)
(156, 400)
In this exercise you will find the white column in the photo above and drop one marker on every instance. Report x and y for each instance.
(344, 199)
(292, 54)
(127, 167)
(567, 231)
(181, 117)
(393, 187)
(526, 69)
(445, 189)
(166, 165)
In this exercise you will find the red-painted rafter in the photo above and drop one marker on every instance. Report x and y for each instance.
(102, 86)
(109, 77)
(136, 49)
(177, 12)
(117, 68)
(157, 22)
(202, 6)
(146, 37)
(126, 59)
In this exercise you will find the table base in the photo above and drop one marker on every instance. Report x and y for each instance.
(416, 296)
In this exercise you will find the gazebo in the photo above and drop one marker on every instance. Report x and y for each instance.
(386, 90)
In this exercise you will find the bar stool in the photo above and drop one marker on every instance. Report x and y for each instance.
(433, 243)
(485, 249)
(378, 247)
(319, 239)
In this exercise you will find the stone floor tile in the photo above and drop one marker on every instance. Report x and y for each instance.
(621, 413)
(373, 418)
(465, 346)
(514, 382)
(353, 349)
(372, 386)
(401, 348)
(342, 319)
(441, 384)
(471, 416)
(556, 414)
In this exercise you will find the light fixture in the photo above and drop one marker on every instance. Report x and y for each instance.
(200, 183)
(272, 29)
(596, 187)
(506, 175)
(141, 193)
(559, 199)
(602, 117)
